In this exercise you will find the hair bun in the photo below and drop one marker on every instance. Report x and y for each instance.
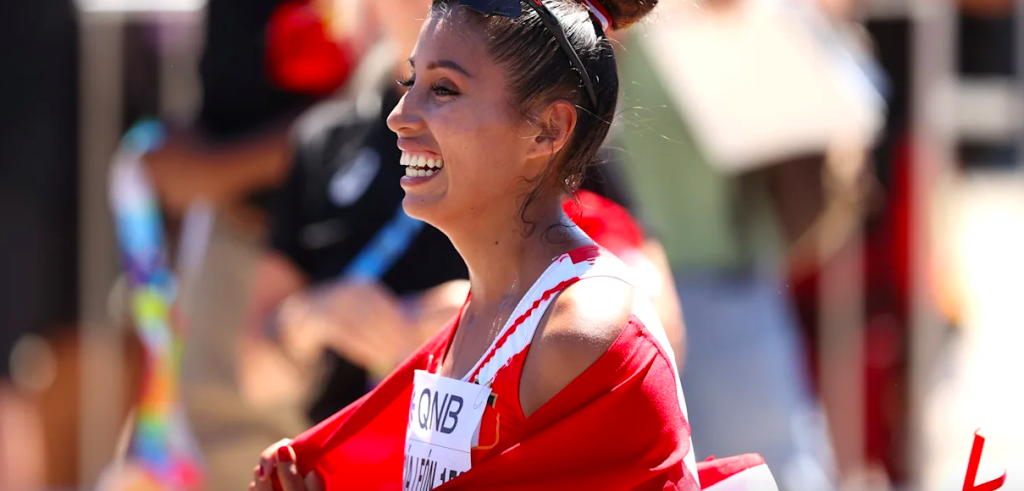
(625, 13)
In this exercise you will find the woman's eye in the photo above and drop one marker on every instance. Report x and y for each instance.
(439, 89)
(443, 91)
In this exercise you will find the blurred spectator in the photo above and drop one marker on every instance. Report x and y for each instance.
(239, 95)
(727, 218)
(234, 155)
(39, 234)
(237, 149)
(38, 171)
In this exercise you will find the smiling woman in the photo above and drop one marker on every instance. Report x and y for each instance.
(507, 104)
(493, 113)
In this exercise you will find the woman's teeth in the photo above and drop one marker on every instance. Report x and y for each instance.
(420, 166)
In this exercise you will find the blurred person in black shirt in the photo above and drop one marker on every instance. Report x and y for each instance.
(237, 150)
(238, 93)
(39, 236)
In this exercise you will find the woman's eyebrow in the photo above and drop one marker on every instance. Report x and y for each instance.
(449, 64)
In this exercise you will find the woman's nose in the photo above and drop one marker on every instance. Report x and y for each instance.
(404, 118)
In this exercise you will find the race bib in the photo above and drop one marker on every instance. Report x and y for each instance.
(443, 417)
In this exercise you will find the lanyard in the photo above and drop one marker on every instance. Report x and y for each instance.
(375, 259)
(379, 255)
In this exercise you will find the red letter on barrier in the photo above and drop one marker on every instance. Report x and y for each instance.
(972, 469)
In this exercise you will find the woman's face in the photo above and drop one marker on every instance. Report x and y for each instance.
(466, 151)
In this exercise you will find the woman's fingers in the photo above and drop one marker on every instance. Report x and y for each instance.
(260, 483)
(314, 482)
(268, 461)
(287, 471)
(279, 459)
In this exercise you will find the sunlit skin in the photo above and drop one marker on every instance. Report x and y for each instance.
(457, 108)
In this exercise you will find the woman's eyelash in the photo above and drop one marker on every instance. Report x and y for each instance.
(442, 90)
(436, 88)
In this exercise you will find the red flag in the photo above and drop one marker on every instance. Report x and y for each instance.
(617, 426)
(621, 424)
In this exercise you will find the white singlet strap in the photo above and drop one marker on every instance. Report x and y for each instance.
(518, 332)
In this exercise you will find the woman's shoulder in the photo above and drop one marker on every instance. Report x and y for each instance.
(582, 323)
(588, 315)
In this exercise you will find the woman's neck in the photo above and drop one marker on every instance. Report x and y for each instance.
(504, 262)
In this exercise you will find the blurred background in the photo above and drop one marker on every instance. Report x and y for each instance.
(836, 186)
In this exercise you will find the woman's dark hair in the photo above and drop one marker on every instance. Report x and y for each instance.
(539, 72)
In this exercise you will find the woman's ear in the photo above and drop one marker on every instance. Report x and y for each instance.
(555, 126)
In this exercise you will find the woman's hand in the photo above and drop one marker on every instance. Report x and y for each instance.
(279, 459)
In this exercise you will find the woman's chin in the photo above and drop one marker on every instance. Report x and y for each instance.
(423, 194)
(422, 208)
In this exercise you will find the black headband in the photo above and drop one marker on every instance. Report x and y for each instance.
(514, 8)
